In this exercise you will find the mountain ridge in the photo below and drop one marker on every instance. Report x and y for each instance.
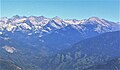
(37, 24)
(88, 54)
(51, 30)
(35, 39)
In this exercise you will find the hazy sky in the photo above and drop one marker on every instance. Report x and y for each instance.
(66, 9)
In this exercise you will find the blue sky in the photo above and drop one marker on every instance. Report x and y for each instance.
(66, 9)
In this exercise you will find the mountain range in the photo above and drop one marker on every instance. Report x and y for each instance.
(40, 43)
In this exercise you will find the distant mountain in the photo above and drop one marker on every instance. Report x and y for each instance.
(53, 33)
(47, 25)
(40, 43)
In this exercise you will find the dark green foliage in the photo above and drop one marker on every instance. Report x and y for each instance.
(88, 54)
(8, 65)
(113, 64)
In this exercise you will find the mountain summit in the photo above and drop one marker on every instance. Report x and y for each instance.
(38, 24)
(54, 31)
(40, 43)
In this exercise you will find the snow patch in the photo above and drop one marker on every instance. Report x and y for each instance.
(0, 33)
(9, 49)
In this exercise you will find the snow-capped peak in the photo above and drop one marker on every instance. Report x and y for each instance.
(93, 18)
(98, 21)
(38, 24)
(56, 18)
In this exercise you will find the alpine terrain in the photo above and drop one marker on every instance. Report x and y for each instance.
(40, 43)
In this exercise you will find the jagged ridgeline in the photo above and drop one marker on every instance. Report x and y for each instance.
(40, 43)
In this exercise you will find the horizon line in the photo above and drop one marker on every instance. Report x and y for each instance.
(58, 17)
